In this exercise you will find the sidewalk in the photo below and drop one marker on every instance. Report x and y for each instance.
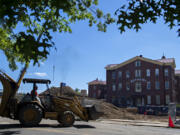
(136, 122)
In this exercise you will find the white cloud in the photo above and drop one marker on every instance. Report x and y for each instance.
(29, 74)
(42, 63)
(40, 74)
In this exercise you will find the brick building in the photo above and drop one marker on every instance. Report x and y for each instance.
(177, 85)
(97, 89)
(84, 93)
(142, 81)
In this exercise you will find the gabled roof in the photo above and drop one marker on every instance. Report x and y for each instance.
(97, 82)
(163, 61)
(166, 60)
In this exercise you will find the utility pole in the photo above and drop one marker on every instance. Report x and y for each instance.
(53, 71)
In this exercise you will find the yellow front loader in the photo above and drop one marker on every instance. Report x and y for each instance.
(31, 109)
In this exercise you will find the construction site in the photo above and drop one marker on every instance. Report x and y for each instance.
(69, 109)
(89, 67)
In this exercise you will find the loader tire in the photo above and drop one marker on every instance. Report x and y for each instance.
(66, 119)
(30, 115)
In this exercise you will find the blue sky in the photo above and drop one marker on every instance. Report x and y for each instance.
(82, 55)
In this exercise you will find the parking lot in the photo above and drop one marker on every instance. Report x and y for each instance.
(101, 127)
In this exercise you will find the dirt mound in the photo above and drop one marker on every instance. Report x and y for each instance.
(112, 112)
(66, 91)
(109, 110)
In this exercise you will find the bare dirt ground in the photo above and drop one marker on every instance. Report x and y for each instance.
(112, 112)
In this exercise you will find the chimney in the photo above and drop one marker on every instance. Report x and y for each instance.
(163, 57)
(141, 55)
(61, 87)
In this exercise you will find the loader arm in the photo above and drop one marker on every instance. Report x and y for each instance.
(10, 88)
(73, 105)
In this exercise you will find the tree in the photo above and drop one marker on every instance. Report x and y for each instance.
(137, 12)
(39, 19)
(77, 90)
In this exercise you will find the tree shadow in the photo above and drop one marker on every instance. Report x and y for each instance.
(83, 126)
(13, 126)
(9, 126)
(9, 132)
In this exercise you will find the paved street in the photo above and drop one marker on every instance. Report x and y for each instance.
(103, 127)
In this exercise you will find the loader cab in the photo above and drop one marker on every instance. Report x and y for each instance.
(33, 96)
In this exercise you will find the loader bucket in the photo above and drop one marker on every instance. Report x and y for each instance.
(93, 114)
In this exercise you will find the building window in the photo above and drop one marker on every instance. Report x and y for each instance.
(166, 85)
(138, 63)
(113, 75)
(99, 93)
(158, 99)
(157, 85)
(138, 86)
(94, 95)
(148, 100)
(157, 72)
(137, 73)
(119, 101)
(167, 99)
(166, 72)
(94, 87)
(114, 87)
(127, 74)
(119, 74)
(120, 86)
(148, 85)
(127, 86)
(113, 100)
(148, 72)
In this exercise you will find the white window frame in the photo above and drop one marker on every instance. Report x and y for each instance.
(158, 99)
(157, 85)
(114, 75)
(127, 74)
(138, 73)
(167, 85)
(94, 94)
(127, 86)
(148, 85)
(148, 99)
(113, 100)
(119, 74)
(148, 72)
(168, 99)
(138, 87)
(137, 63)
(113, 87)
(120, 86)
(157, 72)
(166, 72)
